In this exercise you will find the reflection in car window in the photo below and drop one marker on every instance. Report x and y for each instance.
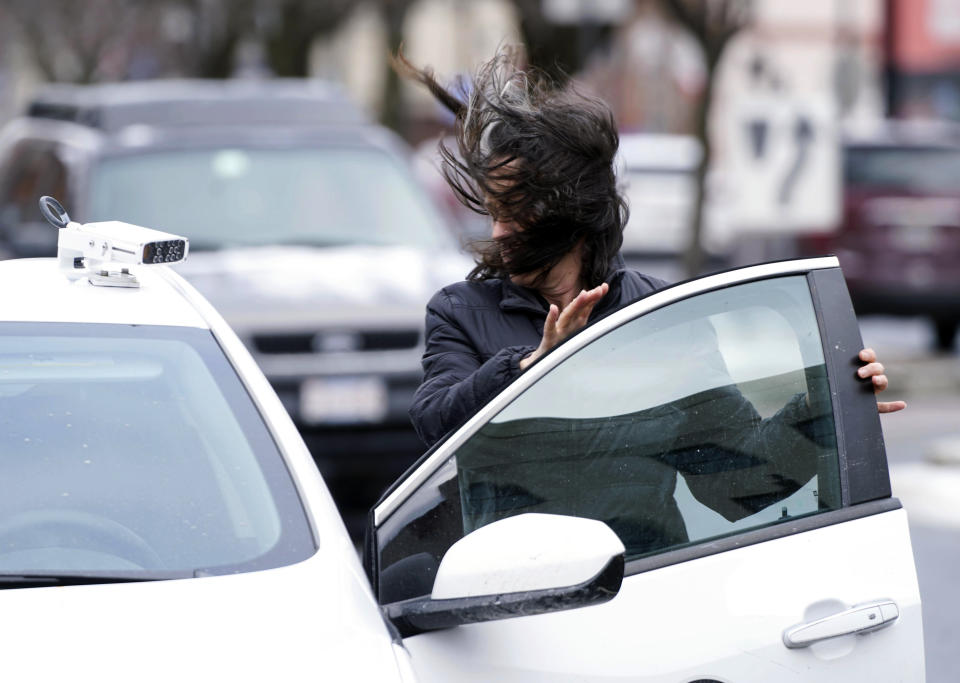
(698, 420)
(136, 448)
(231, 197)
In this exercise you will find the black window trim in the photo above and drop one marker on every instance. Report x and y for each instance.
(864, 473)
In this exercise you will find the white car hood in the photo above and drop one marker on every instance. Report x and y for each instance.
(314, 621)
(255, 286)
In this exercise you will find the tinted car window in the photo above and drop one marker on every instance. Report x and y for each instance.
(227, 197)
(136, 448)
(696, 421)
(920, 169)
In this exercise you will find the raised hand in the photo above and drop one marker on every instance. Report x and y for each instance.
(560, 325)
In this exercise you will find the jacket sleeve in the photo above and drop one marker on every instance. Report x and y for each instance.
(456, 382)
(737, 464)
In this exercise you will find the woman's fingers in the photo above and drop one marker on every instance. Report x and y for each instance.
(878, 377)
(890, 406)
(577, 312)
(550, 332)
(561, 324)
(550, 337)
(871, 370)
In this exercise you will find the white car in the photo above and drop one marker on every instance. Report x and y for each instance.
(161, 518)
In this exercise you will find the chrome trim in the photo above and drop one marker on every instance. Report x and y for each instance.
(862, 618)
(568, 348)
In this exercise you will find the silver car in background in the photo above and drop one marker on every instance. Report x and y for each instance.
(308, 233)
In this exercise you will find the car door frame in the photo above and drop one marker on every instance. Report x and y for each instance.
(864, 478)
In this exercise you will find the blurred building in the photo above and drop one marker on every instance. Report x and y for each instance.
(651, 73)
(787, 83)
(923, 58)
(787, 89)
(901, 56)
(452, 36)
(18, 76)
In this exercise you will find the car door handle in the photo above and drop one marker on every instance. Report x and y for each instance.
(858, 619)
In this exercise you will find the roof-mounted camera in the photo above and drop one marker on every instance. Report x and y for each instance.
(103, 252)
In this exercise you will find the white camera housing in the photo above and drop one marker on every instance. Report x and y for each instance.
(94, 250)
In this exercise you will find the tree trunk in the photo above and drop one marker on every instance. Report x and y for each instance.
(393, 111)
(289, 55)
(216, 61)
(713, 24)
(695, 255)
(559, 50)
(299, 23)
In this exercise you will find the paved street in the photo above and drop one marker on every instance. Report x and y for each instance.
(923, 446)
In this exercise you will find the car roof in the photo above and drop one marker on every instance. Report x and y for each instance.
(45, 294)
(138, 138)
(903, 133)
(138, 117)
(659, 151)
(198, 102)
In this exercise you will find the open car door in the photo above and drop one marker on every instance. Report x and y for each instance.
(694, 488)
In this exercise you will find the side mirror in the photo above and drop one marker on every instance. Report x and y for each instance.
(519, 566)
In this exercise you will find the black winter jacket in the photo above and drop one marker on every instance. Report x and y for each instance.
(476, 335)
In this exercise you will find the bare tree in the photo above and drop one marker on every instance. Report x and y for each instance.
(285, 28)
(91, 40)
(393, 110)
(69, 40)
(289, 28)
(208, 46)
(98, 39)
(558, 49)
(712, 23)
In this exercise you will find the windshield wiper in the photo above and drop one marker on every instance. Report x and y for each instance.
(27, 580)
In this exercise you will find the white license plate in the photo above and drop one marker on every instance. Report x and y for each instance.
(343, 400)
(916, 237)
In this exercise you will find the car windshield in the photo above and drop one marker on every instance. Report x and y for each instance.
(136, 449)
(927, 170)
(232, 197)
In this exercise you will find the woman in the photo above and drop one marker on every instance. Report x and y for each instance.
(540, 161)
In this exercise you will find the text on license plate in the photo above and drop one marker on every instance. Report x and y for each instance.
(343, 400)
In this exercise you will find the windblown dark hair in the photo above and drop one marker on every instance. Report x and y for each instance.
(535, 154)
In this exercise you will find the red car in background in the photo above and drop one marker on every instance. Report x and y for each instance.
(899, 238)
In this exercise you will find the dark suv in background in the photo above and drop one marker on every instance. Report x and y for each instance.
(899, 238)
(307, 232)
